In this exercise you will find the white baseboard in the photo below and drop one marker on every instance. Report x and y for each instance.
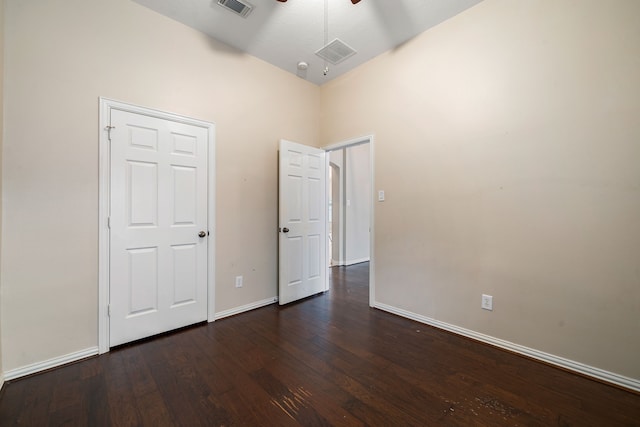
(83, 354)
(597, 373)
(590, 371)
(34, 368)
(348, 262)
(356, 261)
(246, 307)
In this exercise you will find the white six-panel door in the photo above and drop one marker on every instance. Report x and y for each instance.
(302, 219)
(158, 226)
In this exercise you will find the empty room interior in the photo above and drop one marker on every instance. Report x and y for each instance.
(497, 221)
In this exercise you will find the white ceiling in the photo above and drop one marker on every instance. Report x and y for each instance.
(284, 34)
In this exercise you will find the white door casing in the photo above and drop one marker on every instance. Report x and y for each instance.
(302, 222)
(159, 269)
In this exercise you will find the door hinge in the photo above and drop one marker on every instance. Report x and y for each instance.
(109, 222)
(109, 310)
(108, 129)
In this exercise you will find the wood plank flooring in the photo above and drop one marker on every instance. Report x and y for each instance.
(328, 360)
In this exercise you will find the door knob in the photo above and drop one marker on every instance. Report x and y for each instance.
(202, 234)
(285, 230)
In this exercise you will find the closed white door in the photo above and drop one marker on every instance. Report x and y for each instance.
(158, 226)
(302, 218)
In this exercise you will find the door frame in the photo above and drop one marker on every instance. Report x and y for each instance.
(104, 191)
(339, 236)
(367, 139)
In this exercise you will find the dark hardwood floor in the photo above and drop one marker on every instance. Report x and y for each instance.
(328, 360)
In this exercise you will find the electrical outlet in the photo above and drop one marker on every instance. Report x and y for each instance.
(238, 281)
(487, 302)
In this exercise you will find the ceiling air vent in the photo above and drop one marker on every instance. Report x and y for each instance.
(241, 8)
(336, 52)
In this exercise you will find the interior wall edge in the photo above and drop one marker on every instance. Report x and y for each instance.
(612, 378)
(1, 169)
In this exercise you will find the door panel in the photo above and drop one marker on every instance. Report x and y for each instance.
(142, 194)
(302, 217)
(158, 205)
(314, 255)
(184, 194)
(185, 279)
(143, 283)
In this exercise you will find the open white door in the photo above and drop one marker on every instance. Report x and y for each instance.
(302, 222)
(158, 225)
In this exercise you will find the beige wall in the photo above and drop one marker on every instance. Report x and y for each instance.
(507, 141)
(61, 55)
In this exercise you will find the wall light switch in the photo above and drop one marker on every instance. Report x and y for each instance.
(238, 281)
(381, 196)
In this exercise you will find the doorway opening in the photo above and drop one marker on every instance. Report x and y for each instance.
(350, 205)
